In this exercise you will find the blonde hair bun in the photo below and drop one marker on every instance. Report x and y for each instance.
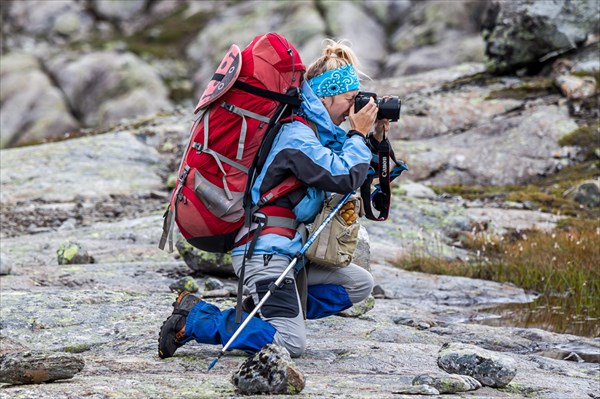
(335, 54)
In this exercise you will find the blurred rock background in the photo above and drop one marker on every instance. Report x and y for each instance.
(72, 65)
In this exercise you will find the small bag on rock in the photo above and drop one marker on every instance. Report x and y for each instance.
(336, 244)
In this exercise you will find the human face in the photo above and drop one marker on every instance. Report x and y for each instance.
(339, 105)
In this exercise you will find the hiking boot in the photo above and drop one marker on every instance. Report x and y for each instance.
(248, 306)
(173, 329)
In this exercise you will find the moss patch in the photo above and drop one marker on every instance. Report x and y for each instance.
(544, 193)
(478, 79)
(586, 137)
(528, 89)
(169, 36)
(77, 348)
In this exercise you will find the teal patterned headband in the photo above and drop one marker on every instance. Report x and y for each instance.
(335, 81)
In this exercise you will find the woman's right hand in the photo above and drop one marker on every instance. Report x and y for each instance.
(362, 121)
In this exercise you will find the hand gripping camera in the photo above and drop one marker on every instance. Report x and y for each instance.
(389, 107)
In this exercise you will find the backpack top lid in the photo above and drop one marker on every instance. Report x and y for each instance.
(224, 77)
(269, 62)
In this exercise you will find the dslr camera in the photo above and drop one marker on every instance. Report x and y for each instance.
(389, 107)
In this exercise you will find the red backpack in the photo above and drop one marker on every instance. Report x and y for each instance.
(249, 94)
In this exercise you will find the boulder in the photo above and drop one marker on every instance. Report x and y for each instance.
(185, 284)
(241, 22)
(36, 367)
(269, 371)
(526, 33)
(485, 366)
(73, 253)
(6, 265)
(32, 108)
(415, 190)
(576, 88)
(118, 9)
(422, 389)
(105, 87)
(212, 283)
(367, 37)
(508, 150)
(41, 17)
(586, 193)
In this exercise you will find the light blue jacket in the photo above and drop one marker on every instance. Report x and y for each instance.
(328, 163)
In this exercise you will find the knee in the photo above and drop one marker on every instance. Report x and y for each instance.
(363, 288)
(295, 344)
(297, 349)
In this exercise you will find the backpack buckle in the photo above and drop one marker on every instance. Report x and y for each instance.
(198, 147)
(261, 218)
(228, 107)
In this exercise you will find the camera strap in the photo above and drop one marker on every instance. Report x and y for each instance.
(380, 198)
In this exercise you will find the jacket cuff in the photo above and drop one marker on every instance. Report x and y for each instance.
(356, 133)
(372, 143)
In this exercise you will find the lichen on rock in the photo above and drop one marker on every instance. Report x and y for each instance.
(73, 253)
(269, 371)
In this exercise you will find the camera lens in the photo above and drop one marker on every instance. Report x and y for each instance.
(389, 107)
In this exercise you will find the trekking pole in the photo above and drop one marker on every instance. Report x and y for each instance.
(277, 284)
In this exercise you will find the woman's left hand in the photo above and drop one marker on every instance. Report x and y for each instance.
(382, 127)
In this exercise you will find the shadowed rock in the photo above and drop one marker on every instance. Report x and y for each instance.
(212, 264)
(270, 371)
(585, 193)
(522, 33)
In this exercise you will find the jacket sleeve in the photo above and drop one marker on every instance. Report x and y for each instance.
(318, 166)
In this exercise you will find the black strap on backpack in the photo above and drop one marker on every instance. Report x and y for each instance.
(380, 198)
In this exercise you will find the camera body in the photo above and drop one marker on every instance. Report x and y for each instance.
(389, 107)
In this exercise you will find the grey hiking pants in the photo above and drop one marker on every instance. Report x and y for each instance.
(283, 309)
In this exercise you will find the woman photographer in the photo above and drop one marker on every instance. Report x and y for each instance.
(325, 159)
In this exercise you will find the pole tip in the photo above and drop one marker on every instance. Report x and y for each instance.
(215, 360)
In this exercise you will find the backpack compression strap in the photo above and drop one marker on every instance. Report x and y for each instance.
(171, 213)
